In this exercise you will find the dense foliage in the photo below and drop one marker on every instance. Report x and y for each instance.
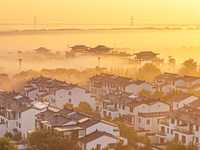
(46, 140)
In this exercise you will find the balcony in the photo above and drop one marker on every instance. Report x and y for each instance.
(161, 133)
(3, 114)
(152, 114)
(111, 109)
(184, 131)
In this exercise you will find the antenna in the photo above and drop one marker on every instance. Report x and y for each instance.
(131, 21)
(20, 61)
(34, 20)
(99, 61)
(169, 61)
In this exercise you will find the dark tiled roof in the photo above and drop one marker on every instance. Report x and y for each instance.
(179, 97)
(195, 104)
(167, 75)
(45, 115)
(58, 120)
(194, 87)
(95, 135)
(89, 122)
(146, 53)
(189, 78)
(187, 114)
(30, 90)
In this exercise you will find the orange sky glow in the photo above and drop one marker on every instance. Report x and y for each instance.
(175, 11)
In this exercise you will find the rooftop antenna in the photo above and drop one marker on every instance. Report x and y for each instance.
(20, 62)
(99, 61)
(169, 61)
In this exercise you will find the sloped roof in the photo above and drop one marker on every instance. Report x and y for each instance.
(194, 87)
(180, 97)
(167, 75)
(146, 53)
(195, 104)
(187, 114)
(95, 135)
(189, 78)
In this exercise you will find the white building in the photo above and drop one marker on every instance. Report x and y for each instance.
(180, 100)
(142, 113)
(17, 113)
(80, 125)
(104, 83)
(167, 82)
(57, 92)
(182, 124)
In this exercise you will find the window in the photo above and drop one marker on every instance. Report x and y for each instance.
(183, 139)
(70, 93)
(167, 130)
(123, 107)
(19, 125)
(109, 114)
(111, 145)
(197, 128)
(6, 124)
(95, 91)
(176, 136)
(115, 105)
(139, 120)
(171, 131)
(98, 146)
(143, 106)
(176, 105)
(131, 109)
(19, 115)
(69, 100)
(105, 91)
(172, 121)
(148, 121)
(54, 92)
(158, 105)
(158, 121)
(16, 124)
(177, 122)
(197, 140)
(119, 106)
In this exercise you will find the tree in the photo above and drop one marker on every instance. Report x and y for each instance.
(46, 140)
(8, 135)
(144, 92)
(127, 132)
(148, 72)
(17, 137)
(189, 68)
(84, 107)
(120, 146)
(69, 105)
(175, 145)
(5, 144)
(147, 143)
(105, 148)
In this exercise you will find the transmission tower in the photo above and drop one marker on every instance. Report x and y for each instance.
(34, 20)
(131, 21)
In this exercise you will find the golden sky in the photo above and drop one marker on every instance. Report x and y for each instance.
(99, 10)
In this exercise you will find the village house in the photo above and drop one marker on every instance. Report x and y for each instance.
(104, 83)
(17, 113)
(92, 132)
(99, 50)
(79, 48)
(182, 124)
(142, 113)
(57, 92)
(180, 100)
(168, 82)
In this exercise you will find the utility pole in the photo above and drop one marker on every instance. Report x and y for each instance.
(99, 61)
(169, 61)
(34, 20)
(131, 22)
(20, 62)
